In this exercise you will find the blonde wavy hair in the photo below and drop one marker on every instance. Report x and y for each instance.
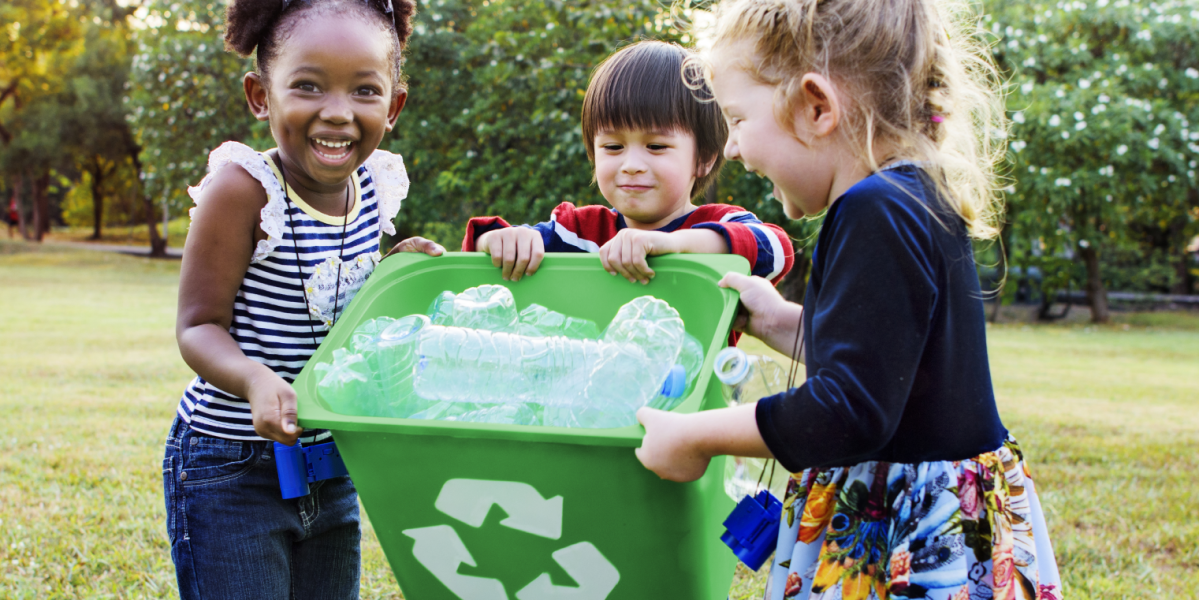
(914, 74)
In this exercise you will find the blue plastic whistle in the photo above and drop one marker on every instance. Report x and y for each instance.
(299, 466)
(752, 529)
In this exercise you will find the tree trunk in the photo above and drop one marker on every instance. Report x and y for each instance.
(1183, 274)
(41, 206)
(158, 244)
(1096, 294)
(97, 203)
(22, 226)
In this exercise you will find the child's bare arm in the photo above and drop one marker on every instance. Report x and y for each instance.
(224, 231)
(679, 447)
(626, 253)
(518, 251)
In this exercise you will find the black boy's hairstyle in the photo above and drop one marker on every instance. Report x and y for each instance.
(642, 86)
(265, 24)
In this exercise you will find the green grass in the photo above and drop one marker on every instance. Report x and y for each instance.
(128, 235)
(90, 376)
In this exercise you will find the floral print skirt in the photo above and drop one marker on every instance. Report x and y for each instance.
(949, 530)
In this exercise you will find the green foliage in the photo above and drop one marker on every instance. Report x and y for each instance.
(63, 69)
(185, 96)
(1104, 136)
(495, 96)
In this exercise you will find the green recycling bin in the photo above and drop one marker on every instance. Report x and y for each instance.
(476, 511)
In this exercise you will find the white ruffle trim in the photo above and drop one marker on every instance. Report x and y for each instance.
(391, 186)
(274, 214)
(387, 172)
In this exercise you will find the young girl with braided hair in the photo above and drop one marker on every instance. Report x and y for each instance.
(884, 115)
(280, 241)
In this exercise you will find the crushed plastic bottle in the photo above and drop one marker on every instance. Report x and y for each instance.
(748, 378)
(474, 358)
(489, 307)
(587, 383)
(441, 310)
(396, 355)
(691, 358)
(343, 383)
(537, 320)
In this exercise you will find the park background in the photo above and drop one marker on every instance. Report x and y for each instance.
(108, 109)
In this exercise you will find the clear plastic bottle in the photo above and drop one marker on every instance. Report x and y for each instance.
(343, 383)
(538, 321)
(583, 381)
(396, 357)
(748, 378)
(691, 358)
(489, 307)
(376, 379)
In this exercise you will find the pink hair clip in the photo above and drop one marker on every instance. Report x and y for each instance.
(937, 118)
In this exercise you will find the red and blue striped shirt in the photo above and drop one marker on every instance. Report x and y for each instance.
(585, 229)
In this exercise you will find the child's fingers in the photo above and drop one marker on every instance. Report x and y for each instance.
(287, 413)
(736, 281)
(625, 262)
(429, 247)
(496, 246)
(509, 258)
(606, 258)
(524, 254)
(536, 256)
(640, 265)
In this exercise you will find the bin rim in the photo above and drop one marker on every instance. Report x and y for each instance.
(312, 414)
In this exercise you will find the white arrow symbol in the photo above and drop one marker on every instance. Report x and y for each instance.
(440, 550)
(584, 563)
(469, 500)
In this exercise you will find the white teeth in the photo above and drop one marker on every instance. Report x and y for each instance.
(332, 144)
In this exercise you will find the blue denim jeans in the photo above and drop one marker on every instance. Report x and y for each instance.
(234, 536)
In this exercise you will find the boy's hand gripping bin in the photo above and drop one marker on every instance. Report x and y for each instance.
(476, 511)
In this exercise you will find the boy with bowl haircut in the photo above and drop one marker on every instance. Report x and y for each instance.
(655, 147)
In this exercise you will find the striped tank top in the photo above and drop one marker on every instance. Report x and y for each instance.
(272, 322)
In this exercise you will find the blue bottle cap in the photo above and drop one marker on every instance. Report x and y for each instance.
(676, 382)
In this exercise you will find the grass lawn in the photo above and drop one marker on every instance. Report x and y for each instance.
(90, 376)
(127, 235)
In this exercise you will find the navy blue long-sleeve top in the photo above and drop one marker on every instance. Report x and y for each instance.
(894, 334)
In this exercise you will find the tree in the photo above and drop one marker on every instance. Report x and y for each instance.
(495, 99)
(96, 132)
(184, 99)
(1104, 139)
(40, 37)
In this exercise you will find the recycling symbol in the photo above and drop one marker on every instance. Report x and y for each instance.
(440, 550)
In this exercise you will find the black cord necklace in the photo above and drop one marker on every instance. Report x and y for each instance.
(337, 290)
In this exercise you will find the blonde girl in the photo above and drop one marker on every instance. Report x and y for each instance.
(884, 115)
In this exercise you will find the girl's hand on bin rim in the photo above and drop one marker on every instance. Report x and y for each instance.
(273, 409)
(669, 447)
(764, 313)
(417, 244)
(518, 251)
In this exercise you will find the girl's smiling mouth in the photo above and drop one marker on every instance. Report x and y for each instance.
(332, 151)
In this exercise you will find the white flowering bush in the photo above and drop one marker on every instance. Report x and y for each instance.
(1103, 102)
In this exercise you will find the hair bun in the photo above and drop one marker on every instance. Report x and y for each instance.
(403, 11)
(247, 21)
